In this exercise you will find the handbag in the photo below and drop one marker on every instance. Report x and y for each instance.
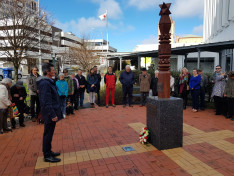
(93, 89)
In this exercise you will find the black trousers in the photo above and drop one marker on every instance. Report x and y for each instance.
(3, 119)
(144, 95)
(184, 96)
(127, 90)
(219, 104)
(195, 96)
(230, 111)
(99, 98)
(74, 100)
(34, 99)
(202, 98)
(69, 110)
(47, 138)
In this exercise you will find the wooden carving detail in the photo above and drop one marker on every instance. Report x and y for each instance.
(164, 50)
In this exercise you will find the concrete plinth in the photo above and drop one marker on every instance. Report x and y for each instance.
(165, 122)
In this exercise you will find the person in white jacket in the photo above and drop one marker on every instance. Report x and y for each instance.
(4, 103)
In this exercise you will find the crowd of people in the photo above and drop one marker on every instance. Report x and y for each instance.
(71, 91)
(222, 93)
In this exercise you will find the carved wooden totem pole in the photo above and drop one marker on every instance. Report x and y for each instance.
(164, 51)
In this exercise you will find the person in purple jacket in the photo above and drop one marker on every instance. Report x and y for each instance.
(194, 86)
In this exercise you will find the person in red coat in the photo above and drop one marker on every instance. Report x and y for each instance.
(110, 80)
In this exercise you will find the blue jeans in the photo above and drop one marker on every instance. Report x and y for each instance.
(195, 96)
(80, 99)
(63, 104)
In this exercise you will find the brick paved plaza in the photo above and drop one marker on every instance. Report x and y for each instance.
(91, 144)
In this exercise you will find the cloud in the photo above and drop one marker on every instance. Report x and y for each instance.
(187, 8)
(143, 4)
(81, 25)
(198, 29)
(179, 8)
(87, 26)
(150, 40)
(113, 7)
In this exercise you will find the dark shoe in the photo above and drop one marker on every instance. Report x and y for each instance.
(7, 129)
(141, 105)
(184, 107)
(232, 119)
(217, 113)
(13, 127)
(52, 159)
(114, 105)
(228, 117)
(130, 105)
(107, 106)
(1, 132)
(34, 119)
(54, 154)
(22, 125)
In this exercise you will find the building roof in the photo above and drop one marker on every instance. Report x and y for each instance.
(210, 47)
(191, 36)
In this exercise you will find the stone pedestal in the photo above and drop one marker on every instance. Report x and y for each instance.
(165, 122)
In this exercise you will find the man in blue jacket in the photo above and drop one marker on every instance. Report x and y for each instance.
(50, 109)
(127, 80)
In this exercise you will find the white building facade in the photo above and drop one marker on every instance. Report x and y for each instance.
(219, 27)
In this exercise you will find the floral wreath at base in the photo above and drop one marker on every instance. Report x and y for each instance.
(144, 136)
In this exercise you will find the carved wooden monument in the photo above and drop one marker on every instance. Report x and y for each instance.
(164, 51)
(165, 113)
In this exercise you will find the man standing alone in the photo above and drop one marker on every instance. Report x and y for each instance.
(127, 80)
(50, 109)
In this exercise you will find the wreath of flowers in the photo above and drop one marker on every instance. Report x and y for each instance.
(144, 135)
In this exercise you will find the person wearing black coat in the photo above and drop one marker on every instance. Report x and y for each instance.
(154, 84)
(82, 86)
(50, 108)
(19, 94)
(75, 96)
(99, 78)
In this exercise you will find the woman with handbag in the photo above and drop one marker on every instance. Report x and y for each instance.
(92, 81)
(62, 87)
(19, 94)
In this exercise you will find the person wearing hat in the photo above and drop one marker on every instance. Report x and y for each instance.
(19, 94)
(145, 81)
(127, 80)
(4, 103)
(229, 94)
(69, 81)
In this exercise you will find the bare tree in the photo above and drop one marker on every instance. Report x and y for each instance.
(84, 56)
(20, 21)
